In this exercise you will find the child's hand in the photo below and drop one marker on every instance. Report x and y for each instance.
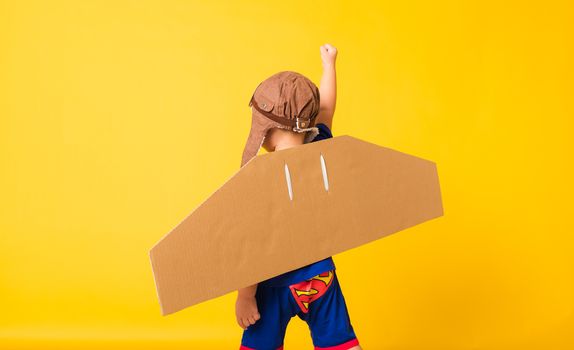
(246, 311)
(328, 54)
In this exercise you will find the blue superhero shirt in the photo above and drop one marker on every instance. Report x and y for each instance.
(308, 271)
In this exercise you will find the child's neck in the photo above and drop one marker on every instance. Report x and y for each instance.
(286, 145)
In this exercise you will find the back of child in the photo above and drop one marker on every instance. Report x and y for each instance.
(290, 101)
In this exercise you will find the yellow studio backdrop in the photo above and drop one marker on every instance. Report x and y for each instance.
(120, 117)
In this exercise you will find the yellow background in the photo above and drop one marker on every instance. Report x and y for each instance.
(119, 117)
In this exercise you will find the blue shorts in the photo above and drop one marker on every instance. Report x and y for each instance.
(318, 301)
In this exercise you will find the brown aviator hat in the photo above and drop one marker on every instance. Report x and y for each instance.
(286, 100)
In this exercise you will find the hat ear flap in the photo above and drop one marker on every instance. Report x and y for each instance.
(311, 134)
(257, 133)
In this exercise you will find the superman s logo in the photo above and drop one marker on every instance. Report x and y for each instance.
(312, 289)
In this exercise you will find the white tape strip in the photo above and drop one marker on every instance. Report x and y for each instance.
(324, 169)
(288, 179)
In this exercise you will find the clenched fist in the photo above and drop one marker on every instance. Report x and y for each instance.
(246, 311)
(328, 54)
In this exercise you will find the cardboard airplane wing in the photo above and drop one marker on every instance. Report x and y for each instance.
(286, 209)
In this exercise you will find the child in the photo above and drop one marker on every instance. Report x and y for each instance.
(288, 112)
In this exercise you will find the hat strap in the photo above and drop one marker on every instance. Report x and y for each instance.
(284, 121)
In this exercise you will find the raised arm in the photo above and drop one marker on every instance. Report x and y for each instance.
(328, 88)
